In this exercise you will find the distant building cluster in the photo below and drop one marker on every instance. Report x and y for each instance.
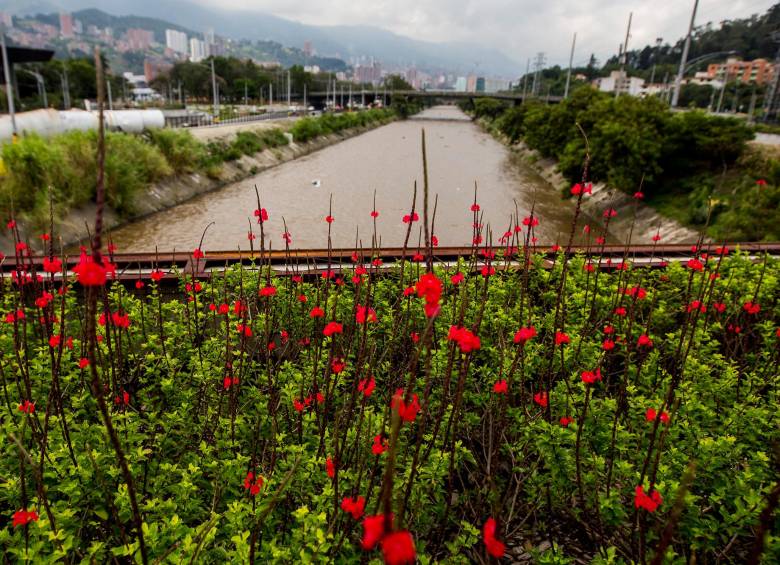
(473, 83)
(757, 71)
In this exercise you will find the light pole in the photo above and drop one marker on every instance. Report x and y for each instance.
(568, 73)
(684, 59)
(41, 86)
(214, 92)
(8, 89)
(65, 88)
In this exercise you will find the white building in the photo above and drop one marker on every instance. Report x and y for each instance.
(460, 84)
(176, 40)
(197, 50)
(496, 85)
(621, 83)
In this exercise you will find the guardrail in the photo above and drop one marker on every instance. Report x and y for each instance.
(207, 120)
(313, 262)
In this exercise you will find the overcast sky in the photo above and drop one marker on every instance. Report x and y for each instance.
(519, 28)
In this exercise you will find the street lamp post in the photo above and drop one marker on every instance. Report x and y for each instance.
(684, 59)
(214, 92)
(8, 89)
(41, 86)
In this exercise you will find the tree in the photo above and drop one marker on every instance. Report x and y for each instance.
(397, 82)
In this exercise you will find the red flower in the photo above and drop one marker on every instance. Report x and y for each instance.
(719, 307)
(298, 405)
(525, 334)
(261, 215)
(465, 339)
(83, 363)
(565, 421)
(89, 272)
(751, 307)
(644, 341)
(54, 341)
(23, 517)
(244, 329)
(367, 386)
(329, 219)
(330, 467)
(500, 387)
(373, 530)
(415, 337)
(27, 407)
(620, 311)
(332, 328)
(52, 265)
(253, 485)
(651, 414)
(198, 253)
(487, 270)
(639, 195)
(590, 377)
(316, 312)
(398, 548)
(695, 265)
(610, 213)
(287, 238)
(354, 506)
(11, 224)
(407, 412)
(374, 214)
(364, 314)
(413, 218)
(531, 221)
(608, 345)
(494, 547)
(434, 241)
(648, 502)
(337, 365)
(457, 278)
(379, 446)
(541, 399)
(761, 182)
(156, 275)
(268, 291)
(561, 338)
(657, 237)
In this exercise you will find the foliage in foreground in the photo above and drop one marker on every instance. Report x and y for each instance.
(268, 419)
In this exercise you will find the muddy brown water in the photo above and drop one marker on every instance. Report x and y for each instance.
(386, 162)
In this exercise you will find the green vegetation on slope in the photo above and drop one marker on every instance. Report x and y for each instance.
(67, 163)
(698, 165)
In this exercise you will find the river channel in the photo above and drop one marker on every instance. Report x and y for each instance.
(385, 161)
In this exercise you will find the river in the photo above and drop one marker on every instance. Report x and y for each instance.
(386, 161)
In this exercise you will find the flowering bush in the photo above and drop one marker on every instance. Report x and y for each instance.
(256, 418)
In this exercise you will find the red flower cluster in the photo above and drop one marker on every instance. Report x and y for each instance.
(397, 547)
(23, 517)
(430, 287)
(561, 338)
(252, 484)
(27, 407)
(355, 506)
(649, 502)
(411, 218)
(590, 377)
(644, 341)
(751, 307)
(465, 339)
(500, 387)
(379, 446)
(330, 467)
(364, 314)
(494, 547)
(541, 399)
(651, 415)
(52, 265)
(267, 291)
(367, 386)
(407, 412)
(525, 334)
(332, 328)
(91, 273)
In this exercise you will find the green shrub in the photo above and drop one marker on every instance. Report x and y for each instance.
(182, 151)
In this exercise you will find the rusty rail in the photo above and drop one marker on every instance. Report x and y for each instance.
(132, 266)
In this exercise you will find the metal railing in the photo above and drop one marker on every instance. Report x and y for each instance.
(196, 120)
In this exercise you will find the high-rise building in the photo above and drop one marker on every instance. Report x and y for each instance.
(139, 39)
(197, 50)
(6, 20)
(176, 40)
(460, 84)
(66, 25)
(307, 49)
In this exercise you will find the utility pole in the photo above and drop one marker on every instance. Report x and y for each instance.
(9, 94)
(271, 94)
(770, 97)
(571, 61)
(246, 92)
(65, 88)
(525, 78)
(538, 66)
(658, 42)
(110, 98)
(214, 92)
(684, 59)
(288, 88)
(624, 59)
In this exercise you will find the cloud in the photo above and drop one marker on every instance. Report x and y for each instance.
(519, 28)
